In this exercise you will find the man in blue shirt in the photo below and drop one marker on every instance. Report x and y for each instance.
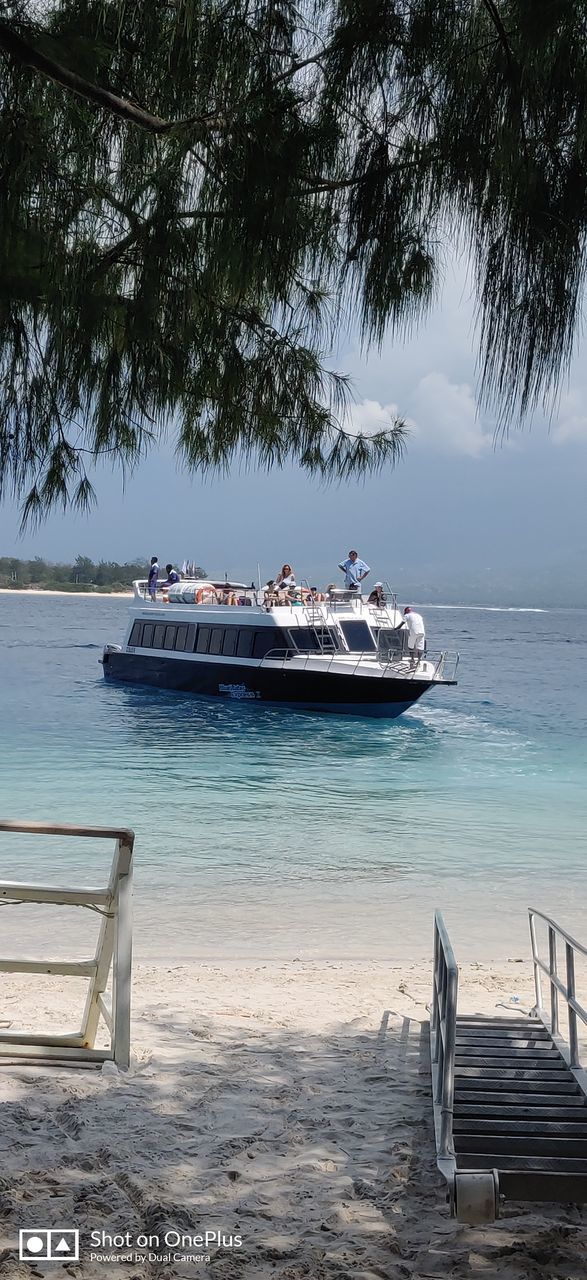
(153, 575)
(354, 571)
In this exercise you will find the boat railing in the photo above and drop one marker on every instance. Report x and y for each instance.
(141, 591)
(343, 600)
(443, 1036)
(447, 665)
(339, 600)
(558, 987)
(397, 666)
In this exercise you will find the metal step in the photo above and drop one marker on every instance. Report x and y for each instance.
(474, 1081)
(510, 1115)
(511, 1144)
(518, 1109)
(473, 1055)
(467, 1125)
(481, 1056)
(521, 1164)
(541, 1049)
(481, 1069)
(480, 1023)
(570, 1108)
(503, 1035)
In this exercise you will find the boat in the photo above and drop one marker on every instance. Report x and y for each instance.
(224, 639)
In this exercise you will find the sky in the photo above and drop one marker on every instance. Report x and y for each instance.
(458, 509)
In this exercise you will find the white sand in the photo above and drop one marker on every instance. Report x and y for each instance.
(288, 1102)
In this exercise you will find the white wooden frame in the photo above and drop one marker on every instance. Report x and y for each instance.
(113, 951)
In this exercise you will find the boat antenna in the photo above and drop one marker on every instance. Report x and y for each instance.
(259, 575)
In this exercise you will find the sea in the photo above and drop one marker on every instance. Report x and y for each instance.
(268, 833)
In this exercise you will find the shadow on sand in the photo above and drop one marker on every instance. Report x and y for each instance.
(317, 1149)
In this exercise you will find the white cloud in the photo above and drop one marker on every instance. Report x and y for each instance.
(444, 417)
(447, 418)
(369, 416)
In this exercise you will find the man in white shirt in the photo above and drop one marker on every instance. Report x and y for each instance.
(354, 571)
(416, 635)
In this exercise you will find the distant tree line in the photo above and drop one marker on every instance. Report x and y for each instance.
(82, 575)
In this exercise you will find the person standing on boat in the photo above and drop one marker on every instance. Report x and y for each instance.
(153, 575)
(416, 635)
(354, 571)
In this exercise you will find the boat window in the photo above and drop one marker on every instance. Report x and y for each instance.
(304, 640)
(135, 635)
(229, 642)
(159, 637)
(391, 640)
(327, 638)
(147, 640)
(181, 636)
(216, 640)
(358, 636)
(265, 640)
(203, 639)
(244, 646)
(170, 634)
(312, 639)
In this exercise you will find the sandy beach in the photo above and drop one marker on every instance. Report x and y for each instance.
(283, 1104)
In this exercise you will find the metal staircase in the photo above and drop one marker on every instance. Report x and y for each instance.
(510, 1104)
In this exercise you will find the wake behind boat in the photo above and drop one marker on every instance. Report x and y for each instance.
(341, 654)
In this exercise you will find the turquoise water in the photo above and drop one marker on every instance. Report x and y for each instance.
(269, 833)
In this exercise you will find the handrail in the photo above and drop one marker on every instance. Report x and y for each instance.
(381, 668)
(557, 986)
(443, 1034)
(30, 827)
(113, 951)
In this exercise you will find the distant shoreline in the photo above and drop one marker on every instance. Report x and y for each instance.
(40, 591)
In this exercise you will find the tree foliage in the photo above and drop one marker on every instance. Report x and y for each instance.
(83, 575)
(195, 195)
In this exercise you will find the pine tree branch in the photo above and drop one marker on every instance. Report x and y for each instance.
(493, 11)
(112, 256)
(20, 49)
(307, 62)
(331, 184)
(494, 15)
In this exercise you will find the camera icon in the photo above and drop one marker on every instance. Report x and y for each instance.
(49, 1246)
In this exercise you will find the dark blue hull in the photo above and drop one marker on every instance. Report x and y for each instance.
(307, 690)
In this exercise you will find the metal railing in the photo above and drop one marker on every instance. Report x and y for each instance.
(447, 666)
(557, 987)
(113, 951)
(443, 1035)
(336, 655)
(141, 592)
(345, 600)
(380, 667)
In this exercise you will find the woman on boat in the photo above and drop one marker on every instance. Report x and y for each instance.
(284, 584)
